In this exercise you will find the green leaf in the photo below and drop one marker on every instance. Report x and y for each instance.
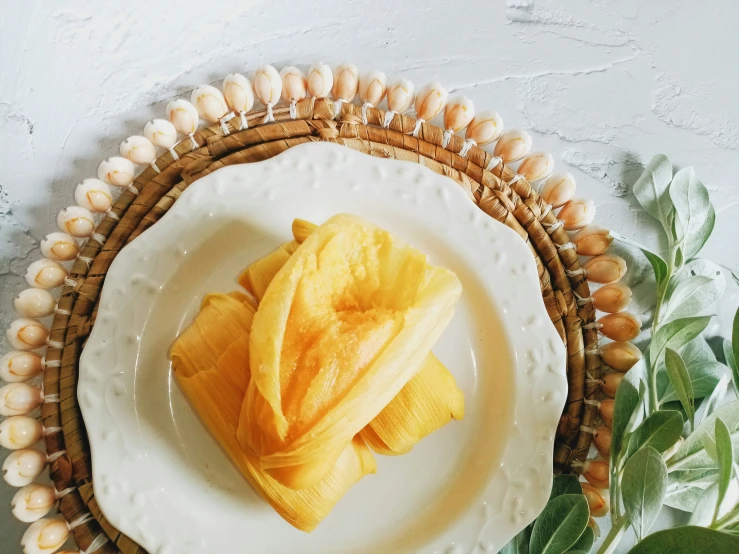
(560, 525)
(725, 455)
(643, 486)
(660, 431)
(626, 402)
(585, 542)
(703, 378)
(691, 201)
(697, 351)
(695, 243)
(685, 496)
(693, 295)
(680, 380)
(658, 265)
(692, 455)
(735, 351)
(687, 540)
(729, 355)
(652, 190)
(717, 396)
(675, 335)
(565, 484)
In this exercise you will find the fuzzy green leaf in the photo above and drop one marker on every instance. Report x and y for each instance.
(735, 351)
(725, 456)
(643, 486)
(675, 335)
(693, 295)
(688, 539)
(703, 378)
(652, 190)
(585, 542)
(660, 431)
(560, 525)
(565, 484)
(681, 383)
(658, 265)
(626, 402)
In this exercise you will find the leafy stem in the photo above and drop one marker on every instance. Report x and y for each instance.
(614, 536)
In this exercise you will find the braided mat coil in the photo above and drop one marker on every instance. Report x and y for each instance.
(498, 191)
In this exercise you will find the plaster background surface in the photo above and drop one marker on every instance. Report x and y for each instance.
(602, 85)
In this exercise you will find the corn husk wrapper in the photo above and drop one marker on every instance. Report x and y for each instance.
(347, 321)
(427, 402)
(210, 360)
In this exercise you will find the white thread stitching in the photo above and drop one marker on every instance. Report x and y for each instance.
(448, 134)
(55, 344)
(417, 129)
(493, 163)
(565, 246)
(364, 111)
(80, 520)
(193, 142)
(99, 238)
(389, 116)
(225, 119)
(174, 153)
(466, 147)
(154, 166)
(337, 107)
(55, 456)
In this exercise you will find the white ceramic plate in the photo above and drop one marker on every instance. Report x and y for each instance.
(468, 488)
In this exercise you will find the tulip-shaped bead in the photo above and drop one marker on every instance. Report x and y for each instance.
(612, 298)
(430, 101)
(606, 411)
(513, 145)
(597, 500)
(558, 189)
(45, 536)
(27, 334)
(239, 95)
(33, 502)
(161, 133)
(606, 268)
(592, 240)
(139, 150)
(77, 221)
(294, 84)
(209, 102)
(18, 366)
(60, 247)
(45, 274)
(485, 127)
(577, 213)
(620, 327)
(597, 473)
(22, 467)
(19, 399)
(536, 166)
(18, 432)
(35, 303)
(346, 82)
(602, 441)
(320, 80)
(611, 382)
(116, 171)
(372, 87)
(94, 195)
(400, 96)
(621, 356)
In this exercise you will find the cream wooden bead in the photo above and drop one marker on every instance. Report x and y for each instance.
(17, 366)
(513, 145)
(77, 221)
(320, 80)
(19, 399)
(116, 171)
(209, 102)
(94, 195)
(346, 82)
(238, 92)
(485, 127)
(458, 113)
(22, 467)
(139, 150)
(400, 96)
(558, 189)
(45, 536)
(18, 432)
(45, 274)
(536, 166)
(33, 502)
(372, 87)
(612, 298)
(592, 240)
(294, 84)
(60, 247)
(27, 334)
(35, 303)
(183, 115)
(577, 213)
(161, 133)
(267, 85)
(606, 268)
(430, 101)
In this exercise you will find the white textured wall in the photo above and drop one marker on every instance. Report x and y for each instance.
(602, 84)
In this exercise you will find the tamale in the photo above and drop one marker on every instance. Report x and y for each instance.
(346, 322)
